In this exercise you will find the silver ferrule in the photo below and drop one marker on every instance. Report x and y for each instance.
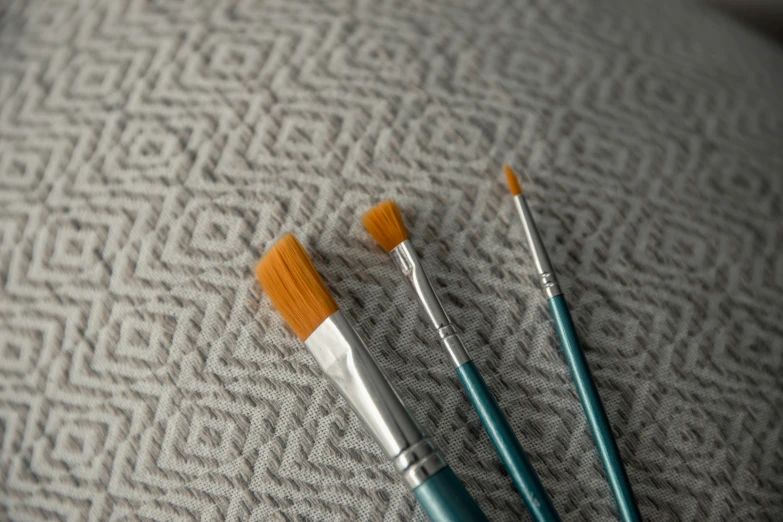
(544, 269)
(407, 260)
(344, 358)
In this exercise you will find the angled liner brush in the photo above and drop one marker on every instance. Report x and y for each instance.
(577, 363)
(384, 222)
(292, 283)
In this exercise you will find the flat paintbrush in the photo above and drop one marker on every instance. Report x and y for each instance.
(292, 283)
(384, 222)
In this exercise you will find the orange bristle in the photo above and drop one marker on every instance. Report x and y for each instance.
(384, 223)
(291, 281)
(513, 182)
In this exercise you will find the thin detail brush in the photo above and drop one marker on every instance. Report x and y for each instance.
(384, 222)
(577, 363)
(292, 283)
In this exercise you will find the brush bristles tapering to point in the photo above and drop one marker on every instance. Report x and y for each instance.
(513, 183)
(384, 223)
(291, 281)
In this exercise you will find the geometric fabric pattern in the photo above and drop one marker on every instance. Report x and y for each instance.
(152, 150)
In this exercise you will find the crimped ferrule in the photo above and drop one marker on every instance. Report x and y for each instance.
(544, 269)
(407, 260)
(344, 358)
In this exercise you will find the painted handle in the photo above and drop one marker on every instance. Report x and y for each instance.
(507, 445)
(594, 410)
(445, 499)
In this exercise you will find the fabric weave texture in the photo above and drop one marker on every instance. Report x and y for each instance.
(151, 151)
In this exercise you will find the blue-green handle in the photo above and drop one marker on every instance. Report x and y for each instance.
(445, 499)
(507, 445)
(594, 410)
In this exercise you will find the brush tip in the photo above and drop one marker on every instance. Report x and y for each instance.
(384, 223)
(513, 182)
(294, 286)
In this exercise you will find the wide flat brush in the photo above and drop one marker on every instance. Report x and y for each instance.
(385, 224)
(577, 363)
(292, 283)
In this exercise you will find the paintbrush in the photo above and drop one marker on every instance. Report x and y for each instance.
(385, 224)
(577, 363)
(292, 283)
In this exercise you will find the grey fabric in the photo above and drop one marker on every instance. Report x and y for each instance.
(150, 151)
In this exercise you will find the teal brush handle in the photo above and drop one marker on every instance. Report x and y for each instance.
(507, 445)
(594, 410)
(445, 499)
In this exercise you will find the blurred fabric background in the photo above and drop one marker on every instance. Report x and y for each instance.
(766, 15)
(150, 151)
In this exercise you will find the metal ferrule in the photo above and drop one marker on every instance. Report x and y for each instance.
(407, 260)
(544, 268)
(343, 357)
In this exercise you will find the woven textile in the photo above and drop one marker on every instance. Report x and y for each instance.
(150, 151)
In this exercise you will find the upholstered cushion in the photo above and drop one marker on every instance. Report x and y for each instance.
(150, 151)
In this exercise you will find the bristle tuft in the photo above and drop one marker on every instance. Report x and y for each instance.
(513, 182)
(291, 281)
(384, 223)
